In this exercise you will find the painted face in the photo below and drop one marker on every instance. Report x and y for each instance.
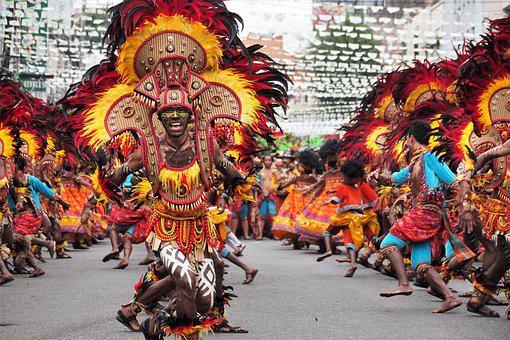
(175, 121)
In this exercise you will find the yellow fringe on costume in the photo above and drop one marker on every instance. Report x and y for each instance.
(173, 179)
(493, 214)
(209, 41)
(219, 219)
(140, 192)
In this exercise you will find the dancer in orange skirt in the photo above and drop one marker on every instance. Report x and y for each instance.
(284, 224)
(314, 220)
(76, 189)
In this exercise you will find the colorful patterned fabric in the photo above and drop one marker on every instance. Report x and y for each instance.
(76, 196)
(126, 217)
(27, 223)
(313, 221)
(284, 223)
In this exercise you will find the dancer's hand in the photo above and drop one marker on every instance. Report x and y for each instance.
(466, 221)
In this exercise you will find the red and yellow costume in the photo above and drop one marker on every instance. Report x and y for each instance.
(284, 223)
(315, 219)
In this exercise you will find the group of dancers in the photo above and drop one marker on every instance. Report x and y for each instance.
(158, 140)
(420, 178)
(161, 133)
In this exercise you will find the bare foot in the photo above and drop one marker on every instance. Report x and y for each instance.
(122, 264)
(250, 276)
(350, 272)
(37, 272)
(111, 255)
(401, 290)
(343, 260)
(449, 304)
(324, 256)
(146, 261)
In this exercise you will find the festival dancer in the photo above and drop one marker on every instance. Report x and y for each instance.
(481, 130)
(353, 196)
(49, 168)
(6, 175)
(127, 221)
(313, 221)
(421, 225)
(28, 216)
(182, 83)
(284, 224)
(76, 188)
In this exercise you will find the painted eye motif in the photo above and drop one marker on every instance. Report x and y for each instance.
(128, 112)
(216, 101)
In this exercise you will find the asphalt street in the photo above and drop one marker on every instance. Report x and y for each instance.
(293, 297)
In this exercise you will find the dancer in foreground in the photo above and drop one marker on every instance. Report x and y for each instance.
(422, 224)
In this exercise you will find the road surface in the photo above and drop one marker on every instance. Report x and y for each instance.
(293, 297)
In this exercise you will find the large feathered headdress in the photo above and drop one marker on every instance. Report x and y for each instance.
(484, 81)
(178, 53)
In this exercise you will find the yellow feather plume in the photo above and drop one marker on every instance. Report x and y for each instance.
(434, 124)
(208, 40)
(371, 141)
(383, 105)
(50, 145)
(29, 138)
(94, 123)
(7, 142)
(465, 141)
(243, 88)
(60, 156)
(484, 117)
(96, 187)
(417, 92)
(398, 150)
